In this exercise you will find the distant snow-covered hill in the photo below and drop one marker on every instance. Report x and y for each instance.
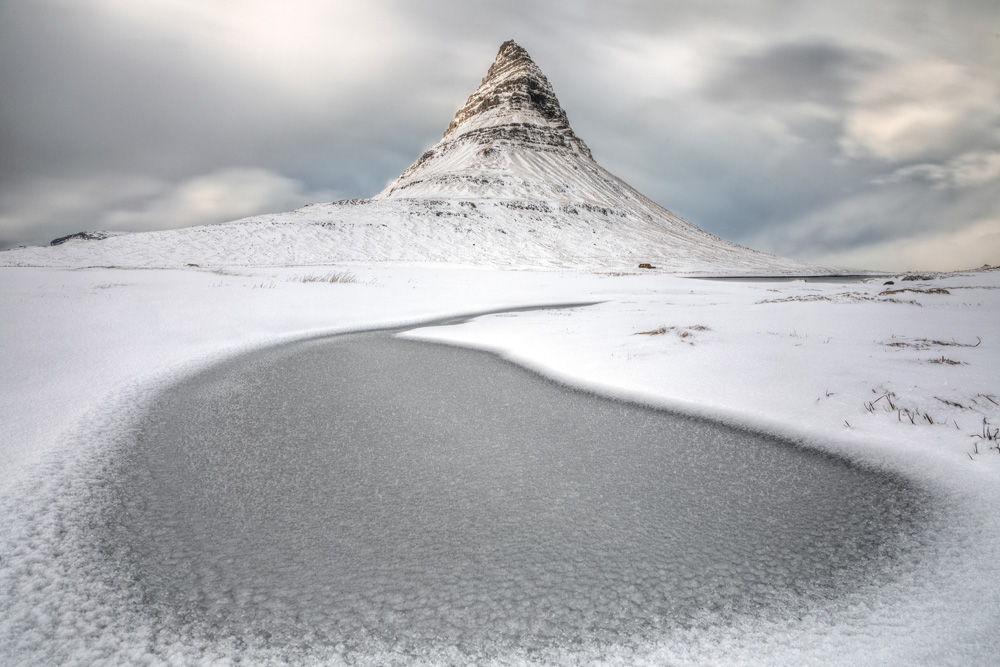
(508, 185)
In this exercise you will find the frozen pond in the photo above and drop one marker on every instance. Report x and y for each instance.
(363, 493)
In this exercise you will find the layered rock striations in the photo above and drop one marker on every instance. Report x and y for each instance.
(511, 123)
(509, 184)
(513, 84)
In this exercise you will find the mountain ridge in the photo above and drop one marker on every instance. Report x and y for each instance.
(509, 184)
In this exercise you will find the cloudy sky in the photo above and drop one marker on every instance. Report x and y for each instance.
(855, 132)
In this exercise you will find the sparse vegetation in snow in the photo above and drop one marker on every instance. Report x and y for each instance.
(684, 333)
(330, 277)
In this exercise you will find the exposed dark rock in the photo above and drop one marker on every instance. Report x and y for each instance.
(82, 236)
(513, 109)
(515, 83)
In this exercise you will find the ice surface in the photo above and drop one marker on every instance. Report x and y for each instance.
(384, 495)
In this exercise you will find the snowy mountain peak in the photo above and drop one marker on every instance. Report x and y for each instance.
(514, 86)
(502, 143)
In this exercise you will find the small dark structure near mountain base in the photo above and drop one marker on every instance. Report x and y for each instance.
(646, 266)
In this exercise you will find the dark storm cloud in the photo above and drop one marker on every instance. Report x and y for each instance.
(758, 142)
(815, 72)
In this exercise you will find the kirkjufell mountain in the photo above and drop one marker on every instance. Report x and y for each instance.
(508, 185)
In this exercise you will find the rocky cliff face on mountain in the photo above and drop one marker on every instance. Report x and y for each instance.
(514, 83)
(508, 185)
(99, 235)
(512, 119)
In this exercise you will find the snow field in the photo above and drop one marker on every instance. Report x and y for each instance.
(82, 350)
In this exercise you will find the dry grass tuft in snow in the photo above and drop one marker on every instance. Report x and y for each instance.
(931, 290)
(682, 332)
(893, 404)
(990, 434)
(916, 413)
(331, 277)
(849, 297)
(926, 343)
(223, 272)
(945, 360)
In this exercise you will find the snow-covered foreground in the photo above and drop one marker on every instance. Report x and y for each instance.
(899, 377)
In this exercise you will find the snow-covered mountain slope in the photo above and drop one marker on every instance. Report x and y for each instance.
(509, 184)
(485, 233)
